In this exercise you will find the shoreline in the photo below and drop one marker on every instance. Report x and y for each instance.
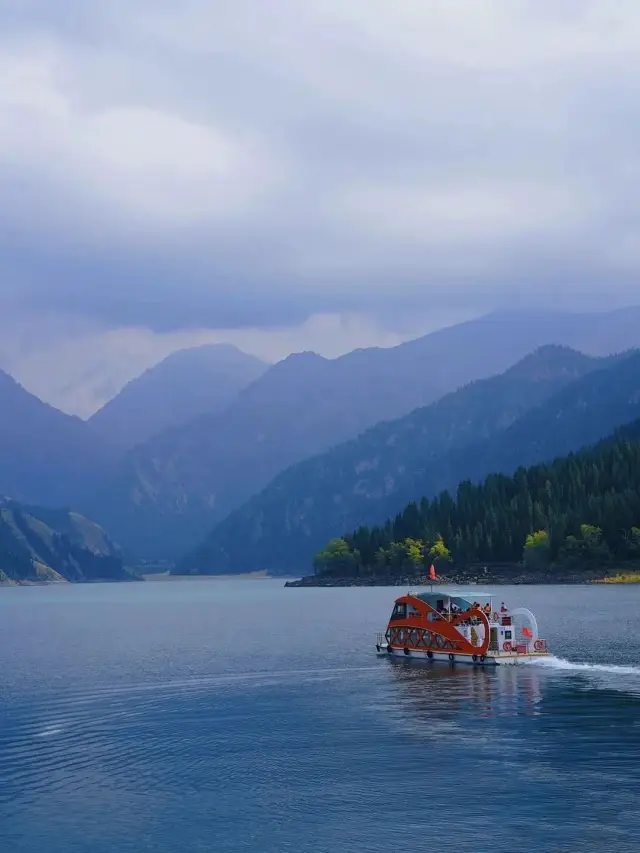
(168, 577)
(155, 577)
(488, 579)
(11, 583)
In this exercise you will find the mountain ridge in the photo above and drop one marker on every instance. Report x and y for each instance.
(377, 468)
(46, 456)
(172, 489)
(185, 384)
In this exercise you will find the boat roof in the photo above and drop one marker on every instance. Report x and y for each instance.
(456, 594)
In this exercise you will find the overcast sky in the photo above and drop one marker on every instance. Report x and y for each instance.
(321, 174)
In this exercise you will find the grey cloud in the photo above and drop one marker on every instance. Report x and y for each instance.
(239, 164)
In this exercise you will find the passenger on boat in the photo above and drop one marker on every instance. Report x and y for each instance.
(487, 609)
(503, 608)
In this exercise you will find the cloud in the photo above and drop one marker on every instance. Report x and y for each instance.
(141, 166)
(243, 165)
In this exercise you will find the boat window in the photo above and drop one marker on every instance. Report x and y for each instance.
(413, 611)
(508, 635)
(399, 611)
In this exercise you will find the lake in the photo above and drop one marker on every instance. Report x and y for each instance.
(238, 715)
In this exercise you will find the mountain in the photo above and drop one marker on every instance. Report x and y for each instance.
(46, 456)
(498, 340)
(370, 477)
(173, 488)
(581, 512)
(38, 544)
(170, 489)
(579, 415)
(167, 492)
(186, 384)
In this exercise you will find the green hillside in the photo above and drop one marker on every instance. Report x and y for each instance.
(580, 511)
(39, 544)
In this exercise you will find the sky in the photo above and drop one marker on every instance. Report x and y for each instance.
(290, 175)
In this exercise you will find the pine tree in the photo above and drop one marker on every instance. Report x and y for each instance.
(580, 510)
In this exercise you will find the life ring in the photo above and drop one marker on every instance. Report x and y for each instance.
(452, 658)
(482, 658)
(474, 658)
(496, 617)
(539, 645)
(406, 650)
(507, 646)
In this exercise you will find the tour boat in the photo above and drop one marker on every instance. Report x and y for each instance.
(460, 628)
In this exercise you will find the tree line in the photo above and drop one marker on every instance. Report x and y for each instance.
(582, 510)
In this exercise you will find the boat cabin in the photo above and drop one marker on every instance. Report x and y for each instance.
(452, 603)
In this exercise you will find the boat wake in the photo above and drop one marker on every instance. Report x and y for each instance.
(50, 731)
(561, 663)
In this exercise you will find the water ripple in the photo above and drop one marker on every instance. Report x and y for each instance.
(178, 741)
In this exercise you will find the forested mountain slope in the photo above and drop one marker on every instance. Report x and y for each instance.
(579, 510)
(373, 476)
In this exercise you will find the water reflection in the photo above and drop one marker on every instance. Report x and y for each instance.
(445, 692)
(569, 719)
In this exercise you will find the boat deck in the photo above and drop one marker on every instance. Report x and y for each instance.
(490, 659)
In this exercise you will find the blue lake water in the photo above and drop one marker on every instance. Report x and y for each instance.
(241, 716)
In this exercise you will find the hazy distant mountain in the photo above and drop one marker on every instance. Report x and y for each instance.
(364, 479)
(170, 489)
(499, 340)
(174, 487)
(46, 456)
(582, 413)
(38, 544)
(186, 384)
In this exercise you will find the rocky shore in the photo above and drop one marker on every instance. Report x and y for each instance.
(512, 575)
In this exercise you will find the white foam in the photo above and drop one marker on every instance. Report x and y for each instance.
(50, 731)
(561, 663)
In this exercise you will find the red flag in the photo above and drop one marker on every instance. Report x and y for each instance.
(432, 573)
(527, 633)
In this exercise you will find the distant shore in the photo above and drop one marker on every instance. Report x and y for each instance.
(629, 577)
(489, 578)
(154, 577)
(6, 581)
(167, 576)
